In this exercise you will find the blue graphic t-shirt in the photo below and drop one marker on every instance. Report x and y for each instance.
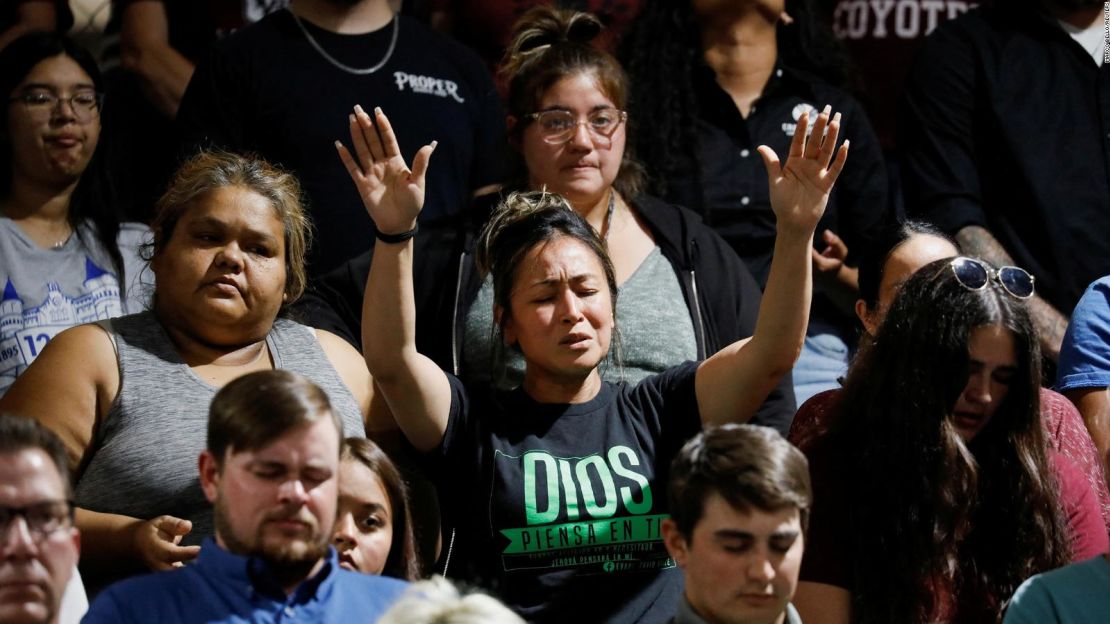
(44, 291)
(557, 508)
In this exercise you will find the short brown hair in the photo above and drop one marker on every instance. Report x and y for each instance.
(258, 408)
(18, 434)
(749, 466)
(550, 44)
(211, 170)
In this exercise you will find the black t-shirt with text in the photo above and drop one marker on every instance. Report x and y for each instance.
(557, 508)
(266, 89)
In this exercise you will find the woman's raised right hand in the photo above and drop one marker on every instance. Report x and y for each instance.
(157, 542)
(392, 193)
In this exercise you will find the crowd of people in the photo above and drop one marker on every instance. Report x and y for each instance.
(412, 312)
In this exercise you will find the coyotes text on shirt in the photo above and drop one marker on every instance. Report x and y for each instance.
(900, 19)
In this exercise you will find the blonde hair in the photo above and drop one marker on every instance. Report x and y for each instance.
(437, 601)
(211, 170)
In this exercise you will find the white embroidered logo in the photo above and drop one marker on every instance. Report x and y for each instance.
(427, 85)
(799, 110)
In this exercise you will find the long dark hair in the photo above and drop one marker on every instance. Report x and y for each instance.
(94, 198)
(663, 50)
(979, 517)
(402, 561)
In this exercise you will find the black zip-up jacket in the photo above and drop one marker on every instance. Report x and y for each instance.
(717, 288)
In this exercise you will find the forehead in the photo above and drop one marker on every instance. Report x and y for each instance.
(719, 515)
(313, 444)
(358, 482)
(580, 91)
(29, 476)
(992, 344)
(236, 205)
(59, 72)
(916, 252)
(559, 259)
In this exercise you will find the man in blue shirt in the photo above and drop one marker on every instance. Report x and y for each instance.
(270, 471)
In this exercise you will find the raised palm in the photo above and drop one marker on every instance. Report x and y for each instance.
(800, 188)
(392, 193)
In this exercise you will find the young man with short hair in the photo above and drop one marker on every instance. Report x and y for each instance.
(270, 471)
(739, 499)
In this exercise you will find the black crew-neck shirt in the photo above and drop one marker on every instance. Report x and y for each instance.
(266, 89)
(557, 508)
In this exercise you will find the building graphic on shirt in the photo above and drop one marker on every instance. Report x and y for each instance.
(24, 331)
(590, 513)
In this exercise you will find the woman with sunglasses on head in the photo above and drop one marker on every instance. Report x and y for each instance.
(936, 493)
(900, 250)
(65, 257)
(550, 485)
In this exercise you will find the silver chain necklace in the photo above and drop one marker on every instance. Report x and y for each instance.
(350, 70)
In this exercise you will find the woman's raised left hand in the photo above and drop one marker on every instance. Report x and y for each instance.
(800, 188)
(392, 193)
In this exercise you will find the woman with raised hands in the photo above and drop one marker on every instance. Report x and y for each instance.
(553, 487)
(685, 294)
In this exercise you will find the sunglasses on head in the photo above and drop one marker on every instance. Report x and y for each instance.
(975, 274)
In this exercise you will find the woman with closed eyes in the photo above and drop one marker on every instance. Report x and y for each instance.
(936, 493)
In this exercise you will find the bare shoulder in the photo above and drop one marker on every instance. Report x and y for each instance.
(350, 365)
(339, 351)
(69, 386)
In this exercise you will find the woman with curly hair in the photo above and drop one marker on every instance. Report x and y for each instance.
(935, 490)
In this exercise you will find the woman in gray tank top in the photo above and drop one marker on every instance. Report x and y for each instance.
(130, 397)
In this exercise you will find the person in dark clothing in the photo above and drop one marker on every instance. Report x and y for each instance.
(714, 80)
(1006, 134)
(283, 87)
(564, 466)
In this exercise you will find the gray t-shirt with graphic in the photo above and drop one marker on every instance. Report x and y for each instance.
(48, 290)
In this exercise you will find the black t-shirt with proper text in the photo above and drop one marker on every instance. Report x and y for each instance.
(266, 89)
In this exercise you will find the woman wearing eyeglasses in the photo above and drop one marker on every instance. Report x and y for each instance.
(935, 491)
(65, 258)
(684, 293)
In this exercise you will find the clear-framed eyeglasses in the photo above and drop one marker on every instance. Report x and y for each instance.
(43, 519)
(558, 126)
(85, 105)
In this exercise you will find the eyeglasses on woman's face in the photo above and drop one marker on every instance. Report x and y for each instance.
(42, 103)
(559, 126)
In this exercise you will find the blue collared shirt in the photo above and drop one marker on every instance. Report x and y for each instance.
(222, 587)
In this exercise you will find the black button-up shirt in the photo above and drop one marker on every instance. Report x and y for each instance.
(731, 186)
(1007, 126)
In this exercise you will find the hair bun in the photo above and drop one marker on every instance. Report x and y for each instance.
(543, 27)
(583, 28)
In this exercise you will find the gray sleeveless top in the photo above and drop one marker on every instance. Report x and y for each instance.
(144, 455)
(656, 331)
